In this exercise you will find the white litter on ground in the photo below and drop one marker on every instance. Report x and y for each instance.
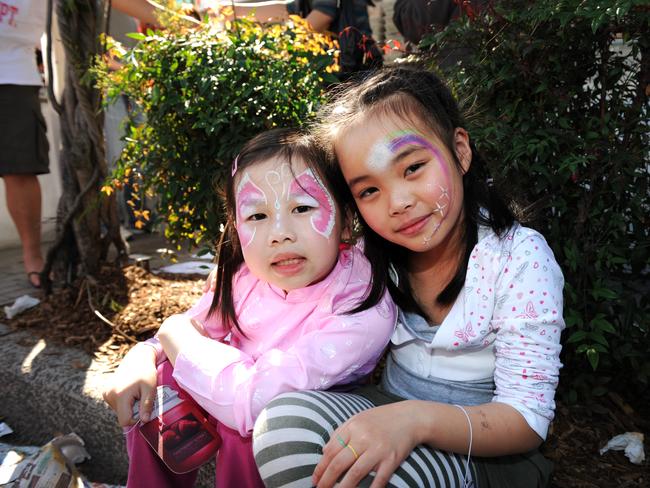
(5, 429)
(21, 304)
(208, 256)
(631, 443)
(189, 267)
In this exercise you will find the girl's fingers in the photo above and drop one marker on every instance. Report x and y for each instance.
(382, 476)
(339, 464)
(324, 462)
(147, 395)
(358, 471)
(211, 283)
(330, 450)
(213, 280)
(124, 410)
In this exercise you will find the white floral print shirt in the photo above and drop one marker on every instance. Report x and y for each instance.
(506, 324)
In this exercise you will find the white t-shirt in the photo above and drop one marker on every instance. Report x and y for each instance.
(22, 23)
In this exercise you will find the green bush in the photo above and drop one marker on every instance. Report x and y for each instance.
(203, 94)
(560, 99)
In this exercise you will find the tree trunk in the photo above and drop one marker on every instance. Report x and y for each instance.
(87, 220)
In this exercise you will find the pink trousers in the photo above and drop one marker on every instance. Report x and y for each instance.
(235, 463)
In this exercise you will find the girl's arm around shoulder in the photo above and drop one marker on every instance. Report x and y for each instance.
(528, 320)
(326, 349)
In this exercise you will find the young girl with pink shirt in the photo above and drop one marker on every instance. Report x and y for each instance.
(293, 309)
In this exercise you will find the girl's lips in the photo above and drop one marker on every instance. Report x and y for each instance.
(288, 266)
(414, 226)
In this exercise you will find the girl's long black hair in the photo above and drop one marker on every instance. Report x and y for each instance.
(288, 145)
(417, 96)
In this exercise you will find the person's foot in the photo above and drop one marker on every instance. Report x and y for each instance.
(34, 278)
(33, 267)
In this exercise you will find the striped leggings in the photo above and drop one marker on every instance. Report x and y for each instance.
(291, 431)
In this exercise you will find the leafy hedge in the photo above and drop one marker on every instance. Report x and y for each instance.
(559, 92)
(204, 92)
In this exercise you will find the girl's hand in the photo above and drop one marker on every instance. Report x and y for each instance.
(211, 283)
(134, 379)
(381, 437)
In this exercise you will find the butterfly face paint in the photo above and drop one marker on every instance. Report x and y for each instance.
(324, 218)
(288, 225)
(248, 196)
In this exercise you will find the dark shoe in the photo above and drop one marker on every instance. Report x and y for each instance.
(29, 279)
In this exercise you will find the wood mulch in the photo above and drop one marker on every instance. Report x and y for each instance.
(106, 317)
(133, 303)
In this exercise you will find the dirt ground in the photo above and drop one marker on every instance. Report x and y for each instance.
(132, 305)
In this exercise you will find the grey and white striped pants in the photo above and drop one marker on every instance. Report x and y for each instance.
(291, 431)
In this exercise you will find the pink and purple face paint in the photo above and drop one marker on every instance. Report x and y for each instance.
(383, 153)
(324, 217)
(305, 189)
(247, 197)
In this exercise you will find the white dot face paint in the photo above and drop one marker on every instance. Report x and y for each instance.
(288, 226)
(380, 157)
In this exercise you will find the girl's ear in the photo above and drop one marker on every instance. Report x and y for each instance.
(462, 148)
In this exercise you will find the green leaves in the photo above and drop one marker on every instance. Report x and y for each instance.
(203, 94)
(561, 113)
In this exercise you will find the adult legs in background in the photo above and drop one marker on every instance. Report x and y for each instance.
(24, 155)
(291, 431)
(23, 193)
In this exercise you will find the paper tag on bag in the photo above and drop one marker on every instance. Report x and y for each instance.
(165, 400)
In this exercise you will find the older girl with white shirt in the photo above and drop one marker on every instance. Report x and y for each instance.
(467, 394)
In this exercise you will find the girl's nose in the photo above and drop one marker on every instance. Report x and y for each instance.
(281, 232)
(400, 202)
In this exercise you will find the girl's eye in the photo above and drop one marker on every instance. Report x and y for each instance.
(302, 209)
(256, 217)
(365, 193)
(413, 168)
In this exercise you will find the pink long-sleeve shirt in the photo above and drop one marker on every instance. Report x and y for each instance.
(303, 340)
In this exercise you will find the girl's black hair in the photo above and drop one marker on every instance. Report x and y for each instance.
(416, 95)
(286, 144)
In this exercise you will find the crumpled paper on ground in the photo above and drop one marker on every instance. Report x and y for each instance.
(47, 466)
(20, 305)
(631, 443)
